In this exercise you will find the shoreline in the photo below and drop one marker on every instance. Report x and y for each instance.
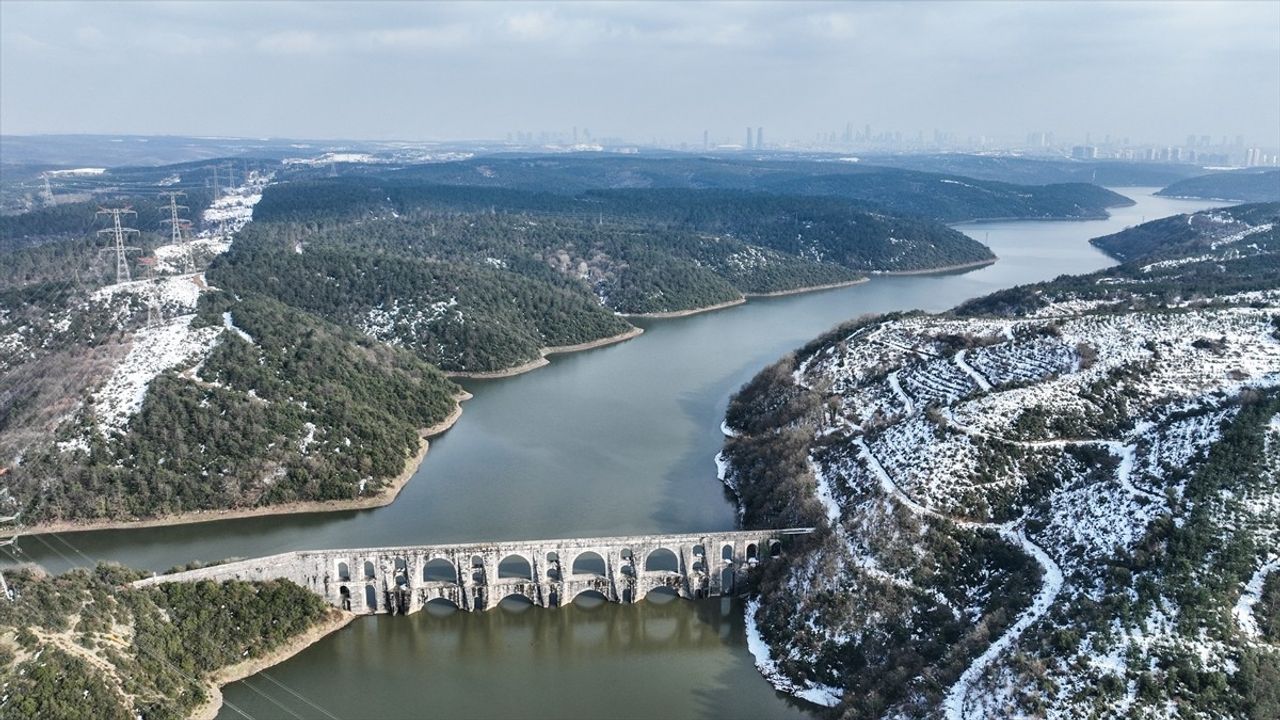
(685, 313)
(544, 352)
(386, 497)
(943, 269)
(1014, 218)
(333, 621)
(746, 297)
(810, 288)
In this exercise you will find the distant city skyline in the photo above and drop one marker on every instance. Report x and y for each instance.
(651, 74)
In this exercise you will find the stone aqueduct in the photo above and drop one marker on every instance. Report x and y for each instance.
(477, 576)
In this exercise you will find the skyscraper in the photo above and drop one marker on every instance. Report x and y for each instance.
(759, 138)
(748, 145)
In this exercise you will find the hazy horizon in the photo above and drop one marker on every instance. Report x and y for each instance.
(642, 72)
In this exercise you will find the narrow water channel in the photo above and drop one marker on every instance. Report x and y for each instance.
(612, 441)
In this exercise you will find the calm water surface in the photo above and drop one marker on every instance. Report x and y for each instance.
(612, 441)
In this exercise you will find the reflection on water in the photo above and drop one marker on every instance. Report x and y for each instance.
(579, 661)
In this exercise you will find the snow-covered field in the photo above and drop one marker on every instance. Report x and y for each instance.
(155, 349)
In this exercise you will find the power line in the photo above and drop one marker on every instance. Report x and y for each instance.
(176, 227)
(122, 267)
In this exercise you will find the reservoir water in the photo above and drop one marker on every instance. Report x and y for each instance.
(612, 441)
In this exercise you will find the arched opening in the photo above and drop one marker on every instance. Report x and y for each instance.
(726, 581)
(752, 552)
(628, 567)
(628, 596)
(368, 570)
(439, 570)
(553, 566)
(726, 553)
(344, 597)
(661, 595)
(370, 599)
(344, 572)
(699, 550)
(477, 569)
(402, 572)
(589, 563)
(515, 566)
(589, 599)
(440, 607)
(775, 548)
(699, 566)
(515, 603)
(661, 560)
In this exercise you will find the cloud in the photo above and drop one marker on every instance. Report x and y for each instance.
(649, 69)
(291, 42)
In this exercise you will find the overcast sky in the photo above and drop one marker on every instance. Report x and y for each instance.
(641, 71)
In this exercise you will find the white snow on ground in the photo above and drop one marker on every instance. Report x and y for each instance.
(155, 349)
(182, 291)
(724, 472)
(334, 157)
(308, 438)
(76, 171)
(902, 396)
(231, 212)
(1164, 264)
(824, 493)
(768, 667)
(173, 343)
(968, 370)
(1189, 354)
(171, 258)
(954, 705)
(408, 319)
(1237, 237)
(1243, 610)
(230, 324)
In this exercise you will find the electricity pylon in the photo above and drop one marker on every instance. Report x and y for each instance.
(176, 226)
(46, 195)
(122, 267)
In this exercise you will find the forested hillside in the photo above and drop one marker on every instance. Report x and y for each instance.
(1254, 185)
(261, 405)
(86, 646)
(435, 268)
(857, 235)
(941, 197)
(1224, 234)
(163, 397)
(1035, 170)
(1057, 500)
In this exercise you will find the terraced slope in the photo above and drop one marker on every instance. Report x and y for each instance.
(1059, 500)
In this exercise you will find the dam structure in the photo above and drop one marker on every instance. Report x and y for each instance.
(547, 573)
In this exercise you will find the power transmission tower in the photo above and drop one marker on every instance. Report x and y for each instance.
(122, 267)
(217, 190)
(154, 312)
(46, 196)
(176, 226)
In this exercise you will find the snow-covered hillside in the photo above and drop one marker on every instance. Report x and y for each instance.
(1086, 433)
